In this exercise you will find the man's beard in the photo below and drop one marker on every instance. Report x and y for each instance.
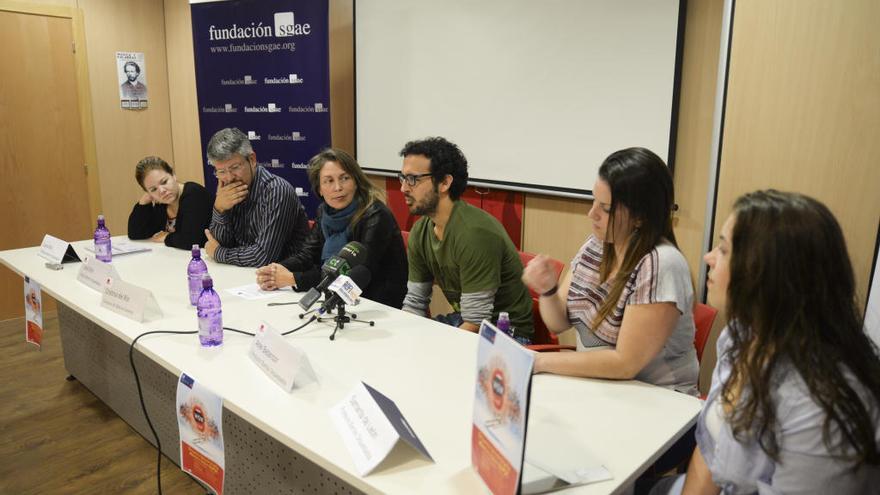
(428, 207)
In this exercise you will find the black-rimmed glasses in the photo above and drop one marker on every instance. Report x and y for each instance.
(411, 180)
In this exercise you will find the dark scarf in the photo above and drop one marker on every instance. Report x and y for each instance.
(336, 227)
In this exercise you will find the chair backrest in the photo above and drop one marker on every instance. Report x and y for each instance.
(542, 334)
(704, 316)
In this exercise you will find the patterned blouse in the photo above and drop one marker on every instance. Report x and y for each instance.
(660, 276)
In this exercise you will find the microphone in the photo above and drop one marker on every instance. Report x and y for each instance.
(360, 278)
(351, 255)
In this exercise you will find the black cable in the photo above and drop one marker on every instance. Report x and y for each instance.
(238, 331)
(137, 381)
(312, 319)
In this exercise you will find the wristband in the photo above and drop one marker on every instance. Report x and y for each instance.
(551, 291)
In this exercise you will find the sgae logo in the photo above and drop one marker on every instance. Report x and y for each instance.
(285, 26)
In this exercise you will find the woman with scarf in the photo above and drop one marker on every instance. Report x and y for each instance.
(351, 211)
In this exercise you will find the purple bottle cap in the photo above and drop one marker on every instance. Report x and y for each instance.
(196, 252)
(207, 283)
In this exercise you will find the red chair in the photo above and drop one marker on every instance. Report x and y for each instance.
(543, 340)
(704, 316)
(405, 234)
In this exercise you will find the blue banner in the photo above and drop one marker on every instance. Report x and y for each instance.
(264, 67)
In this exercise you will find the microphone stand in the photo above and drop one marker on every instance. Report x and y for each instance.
(341, 318)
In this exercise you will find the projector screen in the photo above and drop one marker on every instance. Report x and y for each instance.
(536, 94)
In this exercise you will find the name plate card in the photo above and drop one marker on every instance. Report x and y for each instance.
(371, 425)
(56, 250)
(94, 273)
(285, 364)
(129, 300)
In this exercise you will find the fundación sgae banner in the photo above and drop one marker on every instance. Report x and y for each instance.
(263, 67)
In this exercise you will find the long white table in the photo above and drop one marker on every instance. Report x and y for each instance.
(427, 368)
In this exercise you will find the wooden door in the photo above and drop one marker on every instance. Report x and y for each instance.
(43, 186)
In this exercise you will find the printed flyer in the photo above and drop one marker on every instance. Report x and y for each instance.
(504, 377)
(200, 420)
(33, 312)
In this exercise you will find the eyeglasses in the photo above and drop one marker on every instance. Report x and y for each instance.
(411, 180)
(231, 170)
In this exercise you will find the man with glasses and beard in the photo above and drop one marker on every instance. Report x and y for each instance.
(460, 247)
(257, 217)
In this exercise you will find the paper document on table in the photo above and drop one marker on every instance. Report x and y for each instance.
(557, 454)
(120, 247)
(252, 292)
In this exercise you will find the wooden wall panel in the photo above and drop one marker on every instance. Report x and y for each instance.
(696, 110)
(803, 112)
(342, 74)
(185, 131)
(125, 136)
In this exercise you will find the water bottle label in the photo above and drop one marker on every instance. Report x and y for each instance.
(211, 327)
(204, 326)
(195, 289)
(102, 250)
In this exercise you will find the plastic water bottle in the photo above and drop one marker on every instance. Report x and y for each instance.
(503, 323)
(195, 271)
(102, 242)
(210, 315)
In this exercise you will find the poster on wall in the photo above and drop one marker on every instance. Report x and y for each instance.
(131, 69)
(263, 67)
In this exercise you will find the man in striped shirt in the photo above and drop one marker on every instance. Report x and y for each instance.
(257, 217)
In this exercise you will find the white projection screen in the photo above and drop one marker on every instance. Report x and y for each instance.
(536, 93)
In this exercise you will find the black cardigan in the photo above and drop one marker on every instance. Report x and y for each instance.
(193, 217)
(386, 256)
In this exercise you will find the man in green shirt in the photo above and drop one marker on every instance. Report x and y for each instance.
(460, 247)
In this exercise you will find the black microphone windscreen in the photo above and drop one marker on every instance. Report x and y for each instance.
(354, 253)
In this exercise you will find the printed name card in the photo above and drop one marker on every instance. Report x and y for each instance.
(56, 250)
(501, 409)
(285, 364)
(371, 425)
(129, 300)
(94, 273)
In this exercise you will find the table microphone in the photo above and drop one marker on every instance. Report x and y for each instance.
(351, 255)
(360, 275)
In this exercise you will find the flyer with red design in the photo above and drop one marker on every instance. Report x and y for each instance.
(33, 312)
(200, 421)
(504, 377)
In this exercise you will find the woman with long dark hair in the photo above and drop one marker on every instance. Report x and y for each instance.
(629, 289)
(351, 211)
(793, 406)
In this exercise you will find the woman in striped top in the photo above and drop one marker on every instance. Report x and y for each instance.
(628, 292)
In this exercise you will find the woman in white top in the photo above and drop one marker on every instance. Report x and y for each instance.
(793, 406)
(629, 289)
